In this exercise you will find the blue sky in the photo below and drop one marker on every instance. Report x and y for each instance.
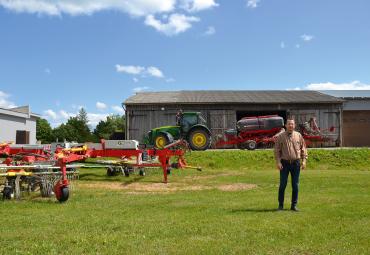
(59, 55)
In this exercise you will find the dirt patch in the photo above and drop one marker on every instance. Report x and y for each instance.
(144, 187)
(237, 187)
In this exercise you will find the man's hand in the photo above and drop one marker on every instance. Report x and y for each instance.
(279, 166)
(303, 164)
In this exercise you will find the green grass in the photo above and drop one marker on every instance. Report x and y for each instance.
(334, 218)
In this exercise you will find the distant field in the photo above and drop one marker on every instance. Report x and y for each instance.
(228, 208)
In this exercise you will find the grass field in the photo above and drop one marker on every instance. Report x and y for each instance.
(228, 208)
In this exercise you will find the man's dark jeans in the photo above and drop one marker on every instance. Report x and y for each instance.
(294, 169)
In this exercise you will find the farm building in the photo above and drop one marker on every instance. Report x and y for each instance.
(356, 116)
(18, 125)
(222, 109)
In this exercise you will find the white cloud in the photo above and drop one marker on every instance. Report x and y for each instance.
(50, 114)
(4, 100)
(130, 69)
(101, 106)
(155, 72)
(170, 80)
(252, 3)
(140, 70)
(47, 71)
(64, 114)
(95, 118)
(118, 109)
(171, 23)
(354, 85)
(198, 5)
(57, 118)
(210, 31)
(307, 38)
(88, 7)
(176, 23)
(298, 46)
(282, 45)
(140, 89)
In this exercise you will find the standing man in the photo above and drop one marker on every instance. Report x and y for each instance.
(291, 156)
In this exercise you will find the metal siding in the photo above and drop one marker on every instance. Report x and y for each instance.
(356, 126)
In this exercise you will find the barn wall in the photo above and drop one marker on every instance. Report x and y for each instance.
(326, 119)
(142, 118)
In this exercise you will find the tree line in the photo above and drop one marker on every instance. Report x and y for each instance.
(77, 129)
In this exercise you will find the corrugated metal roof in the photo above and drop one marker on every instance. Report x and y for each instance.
(231, 97)
(348, 93)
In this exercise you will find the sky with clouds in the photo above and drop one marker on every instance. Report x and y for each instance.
(61, 55)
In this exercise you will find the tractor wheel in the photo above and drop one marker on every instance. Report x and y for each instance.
(199, 139)
(251, 145)
(161, 140)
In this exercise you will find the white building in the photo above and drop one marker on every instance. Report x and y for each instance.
(18, 125)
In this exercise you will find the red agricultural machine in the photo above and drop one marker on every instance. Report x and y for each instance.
(251, 132)
(49, 169)
(261, 131)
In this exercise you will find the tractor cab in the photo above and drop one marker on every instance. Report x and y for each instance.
(188, 120)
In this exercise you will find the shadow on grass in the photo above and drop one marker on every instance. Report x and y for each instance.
(135, 179)
(261, 210)
(99, 177)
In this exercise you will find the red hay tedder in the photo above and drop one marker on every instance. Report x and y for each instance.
(32, 167)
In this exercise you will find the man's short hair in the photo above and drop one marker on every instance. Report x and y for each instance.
(289, 119)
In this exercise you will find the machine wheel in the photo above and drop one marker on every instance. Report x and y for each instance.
(251, 145)
(142, 172)
(199, 139)
(126, 171)
(63, 194)
(110, 171)
(7, 192)
(162, 139)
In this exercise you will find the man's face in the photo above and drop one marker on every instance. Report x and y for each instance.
(290, 125)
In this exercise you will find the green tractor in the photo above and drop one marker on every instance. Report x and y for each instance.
(190, 126)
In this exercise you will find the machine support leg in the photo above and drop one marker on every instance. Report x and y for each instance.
(164, 162)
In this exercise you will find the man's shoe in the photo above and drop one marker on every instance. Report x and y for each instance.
(294, 208)
(280, 208)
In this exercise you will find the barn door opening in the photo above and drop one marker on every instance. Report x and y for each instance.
(22, 137)
(242, 114)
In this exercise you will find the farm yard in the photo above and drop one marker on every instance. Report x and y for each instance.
(228, 208)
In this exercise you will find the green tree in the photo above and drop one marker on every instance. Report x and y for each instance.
(44, 132)
(76, 129)
(105, 128)
(60, 133)
(82, 116)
